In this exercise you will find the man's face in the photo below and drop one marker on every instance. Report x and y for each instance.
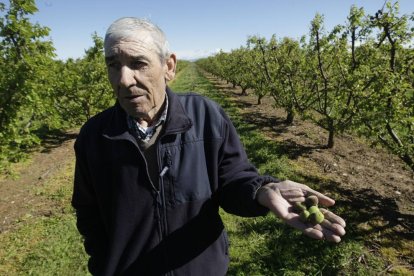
(137, 75)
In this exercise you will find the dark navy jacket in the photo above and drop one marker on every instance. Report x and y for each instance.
(133, 228)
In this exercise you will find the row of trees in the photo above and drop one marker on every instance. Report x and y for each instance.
(38, 92)
(358, 76)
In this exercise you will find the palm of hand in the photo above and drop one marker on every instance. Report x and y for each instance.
(278, 197)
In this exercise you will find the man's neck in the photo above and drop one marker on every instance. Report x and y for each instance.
(149, 120)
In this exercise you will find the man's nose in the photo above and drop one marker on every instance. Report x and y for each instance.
(127, 77)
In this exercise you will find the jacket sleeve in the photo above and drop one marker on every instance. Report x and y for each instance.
(238, 177)
(89, 222)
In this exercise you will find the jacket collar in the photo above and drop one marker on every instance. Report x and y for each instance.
(177, 120)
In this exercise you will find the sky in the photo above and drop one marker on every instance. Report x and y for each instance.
(194, 28)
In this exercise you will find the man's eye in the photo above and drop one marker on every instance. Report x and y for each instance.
(113, 65)
(138, 65)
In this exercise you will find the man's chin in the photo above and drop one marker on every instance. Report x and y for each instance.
(133, 110)
(138, 115)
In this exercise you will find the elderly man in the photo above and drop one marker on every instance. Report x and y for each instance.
(153, 170)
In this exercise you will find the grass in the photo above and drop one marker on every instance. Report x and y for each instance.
(43, 246)
(49, 244)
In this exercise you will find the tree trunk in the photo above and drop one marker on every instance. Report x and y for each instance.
(290, 116)
(408, 160)
(403, 155)
(331, 130)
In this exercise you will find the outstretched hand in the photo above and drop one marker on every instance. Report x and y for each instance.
(279, 197)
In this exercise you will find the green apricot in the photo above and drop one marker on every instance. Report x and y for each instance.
(316, 217)
(298, 207)
(311, 200)
(313, 209)
(304, 215)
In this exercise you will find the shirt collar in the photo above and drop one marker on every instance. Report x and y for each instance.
(145, 134)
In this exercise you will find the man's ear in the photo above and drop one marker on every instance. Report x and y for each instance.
(171, 64)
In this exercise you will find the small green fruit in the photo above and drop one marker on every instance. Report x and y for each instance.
(313, 209)
(316, 217)
(298, 207)
(311, 200)
(304, 215)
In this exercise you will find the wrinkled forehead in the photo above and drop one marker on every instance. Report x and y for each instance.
(134, 40)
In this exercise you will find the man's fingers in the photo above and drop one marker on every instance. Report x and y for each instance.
(306, 228)
(327, 233)
(330, 236)
(295, 192)
(323, 199)
(313, 233)
(334, 228)
(292, 195)
(333, 218)
(319, 231)
(331, 232)
(279, 198)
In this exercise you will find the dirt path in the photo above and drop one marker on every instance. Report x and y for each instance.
(18, 196)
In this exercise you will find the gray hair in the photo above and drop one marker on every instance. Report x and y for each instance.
(130, 26)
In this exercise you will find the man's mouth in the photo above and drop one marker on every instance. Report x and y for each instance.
(133, 98)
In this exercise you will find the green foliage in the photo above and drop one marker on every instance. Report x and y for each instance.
(334, 66)
(82, 90)
(39, 93)
(388, 114)
(282, 64)
(181, 64)
(356, 77)
(25, 57)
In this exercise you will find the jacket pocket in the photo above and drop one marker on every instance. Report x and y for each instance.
(187, 176)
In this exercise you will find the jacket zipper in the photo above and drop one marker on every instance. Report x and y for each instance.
(163, 219)
(160, 199)
(156, 192)
(160, 193)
